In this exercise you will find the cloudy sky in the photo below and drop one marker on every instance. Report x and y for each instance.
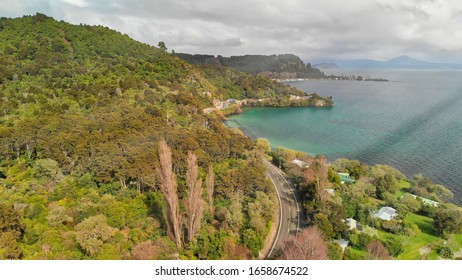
(313, 29)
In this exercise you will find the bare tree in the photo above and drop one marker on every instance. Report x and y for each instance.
(308, 245)
(377, 251)
(210, 184)
(194, 203)
(168, 185)
(318, 174)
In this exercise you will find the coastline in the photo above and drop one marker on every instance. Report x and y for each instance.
(457, 200)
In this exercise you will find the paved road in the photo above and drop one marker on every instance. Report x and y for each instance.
(291, 209)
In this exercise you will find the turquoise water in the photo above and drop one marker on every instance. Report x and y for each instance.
(413, 123)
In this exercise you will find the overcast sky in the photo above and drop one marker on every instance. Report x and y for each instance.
(312, 29)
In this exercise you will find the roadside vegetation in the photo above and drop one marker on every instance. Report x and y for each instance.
(427, 225)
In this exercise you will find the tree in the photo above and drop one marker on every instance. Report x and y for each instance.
(194, 203)
(10, 221)
(447, 221)
(387, 183)
(308, 245)
(9, 248)
(322, 222)
(168, 186)
(317, 174)
(92, 232)
(210, 184)
(162, 46)
(377, 251)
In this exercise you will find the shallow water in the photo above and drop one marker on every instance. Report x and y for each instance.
(413, 123)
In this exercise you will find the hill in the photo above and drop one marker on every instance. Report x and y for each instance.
(401, 62)
(283, 66)
(84, 110)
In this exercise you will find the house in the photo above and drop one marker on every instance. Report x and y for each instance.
(342, 242)
(300, 163)
(345, 178)
(425, 200)
(351, 223)
(330, 191)
(386, 213)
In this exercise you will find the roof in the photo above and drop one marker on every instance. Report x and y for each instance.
(386, 213)
(351, 223)
(345, 178)
(342, 242)
(330, 191)
(300, 163)
(426, 200)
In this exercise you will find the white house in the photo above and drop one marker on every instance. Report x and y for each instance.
(330, 191)
(351, 223)
(386, 213)
(343, 243)
(300, 163)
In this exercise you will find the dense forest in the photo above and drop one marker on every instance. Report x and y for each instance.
(105, 152)
(283, 66)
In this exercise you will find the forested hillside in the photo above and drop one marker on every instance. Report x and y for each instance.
(283, 66)
(105, 152)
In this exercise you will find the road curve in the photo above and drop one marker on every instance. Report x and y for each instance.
(290, 206)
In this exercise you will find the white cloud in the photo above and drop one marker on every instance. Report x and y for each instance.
(312, 29)
(79, 3)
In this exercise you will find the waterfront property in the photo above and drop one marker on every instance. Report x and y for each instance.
(300, 163)
(351, 223)
(425, 200)
(343, 243)
(345, 178)
(386, 213)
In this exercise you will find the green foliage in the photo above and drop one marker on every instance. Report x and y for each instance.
(447, 221)
(83, 108)
(321, 220)
(354, 167)
(394, 246)
(353, 254)
(252, 241)
(333, 176)
(275, 66)
(9, 248)
(92, 233)
(424, 187)
(386, 183)
(258, 90)
(445, 252)
(334, 251)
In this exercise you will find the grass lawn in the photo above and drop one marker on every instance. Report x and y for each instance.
(403, 185)
(427, 240)
(421, 246)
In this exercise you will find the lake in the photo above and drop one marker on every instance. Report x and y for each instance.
(413, 123)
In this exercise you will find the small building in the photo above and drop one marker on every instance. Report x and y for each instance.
(351, 223)
(426, 200)
(343, 243)
(300, 163)
(345, 178)
(386, 213)
(330, 191)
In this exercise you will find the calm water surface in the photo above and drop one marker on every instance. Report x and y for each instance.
(413, 123)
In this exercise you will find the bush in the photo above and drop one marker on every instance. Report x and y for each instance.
(445, 252)
(334, 250)
(394, 246)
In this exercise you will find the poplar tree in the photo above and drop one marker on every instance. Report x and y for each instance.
(168, 186)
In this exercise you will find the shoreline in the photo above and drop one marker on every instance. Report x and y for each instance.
(456, 200)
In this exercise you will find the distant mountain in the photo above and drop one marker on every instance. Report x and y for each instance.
(282, 66)
(400, 62)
